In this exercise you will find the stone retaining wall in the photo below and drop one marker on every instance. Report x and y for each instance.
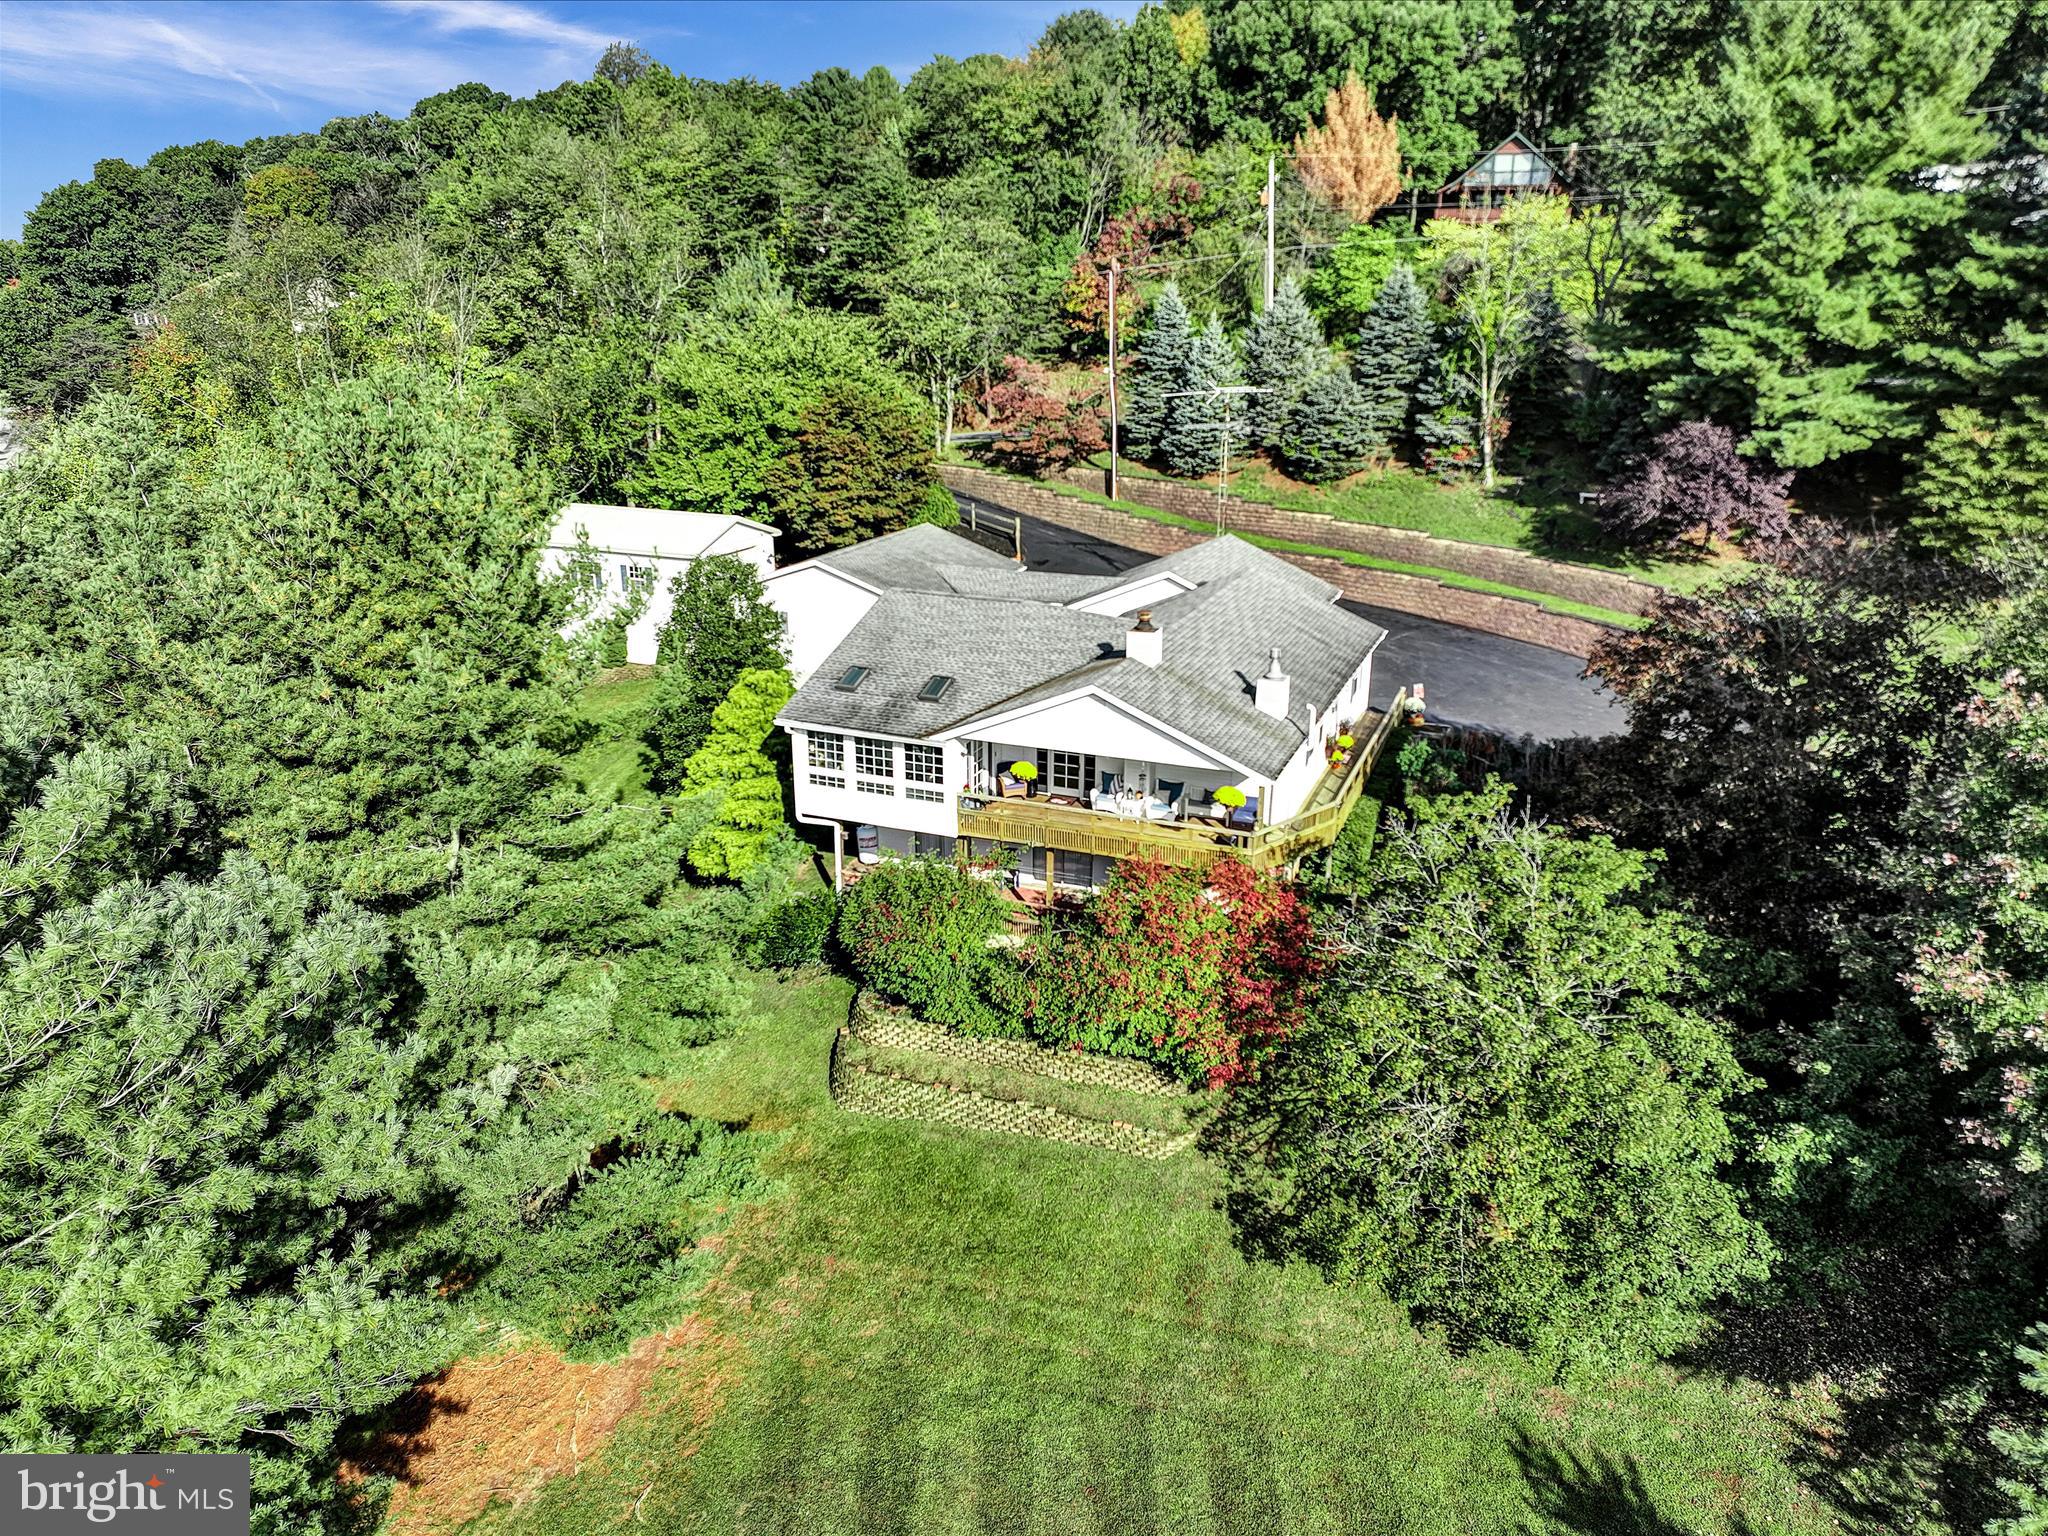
(879, 1023)
(1512, 617)
(858, 1089)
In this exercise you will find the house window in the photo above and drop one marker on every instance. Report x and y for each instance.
(828, 759)
(874, 765)
(924, 765)
(1067, 773)
(935, 796)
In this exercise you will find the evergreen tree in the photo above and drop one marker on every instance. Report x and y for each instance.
(1326, 435)
(1391, 351)
(1283, 355)
(1981, 475)
(1768, 305)
(722, 625)
(1443, 419)
(734, 764)
(1193, 442)
(1162, 367)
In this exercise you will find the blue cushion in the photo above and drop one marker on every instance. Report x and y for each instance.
(1169, 789)
(1108, 782)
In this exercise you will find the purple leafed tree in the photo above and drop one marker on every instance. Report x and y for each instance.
(1692, 477)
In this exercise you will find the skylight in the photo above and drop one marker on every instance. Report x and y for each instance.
(934, 689)
(851, 679)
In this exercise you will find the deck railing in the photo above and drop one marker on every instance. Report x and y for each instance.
(1073, 829)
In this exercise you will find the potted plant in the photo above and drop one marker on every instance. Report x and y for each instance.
(1025, 774)
(1231, 798)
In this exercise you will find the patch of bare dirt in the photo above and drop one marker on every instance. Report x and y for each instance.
(502, 1425)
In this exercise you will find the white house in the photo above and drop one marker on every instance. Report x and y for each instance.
(648, 547)
(930, 667)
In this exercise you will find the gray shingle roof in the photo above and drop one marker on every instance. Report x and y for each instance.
(1005, 651)
(914, 558)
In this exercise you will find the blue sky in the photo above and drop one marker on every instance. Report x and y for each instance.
(83, 80)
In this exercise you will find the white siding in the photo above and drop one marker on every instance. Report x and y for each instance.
(1090, 723)
(654, 546)
(1148, 593)
(906, 807)
(819, 607)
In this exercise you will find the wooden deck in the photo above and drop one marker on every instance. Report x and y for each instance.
(1039, 824)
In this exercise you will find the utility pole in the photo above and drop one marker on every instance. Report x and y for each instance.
(1115, 266)
(1272, 208)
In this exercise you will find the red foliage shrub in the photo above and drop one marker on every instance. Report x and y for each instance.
(1044, 430)
(1198, 974)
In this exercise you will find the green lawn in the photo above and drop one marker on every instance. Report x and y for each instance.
(611, 765)
(936, 1331)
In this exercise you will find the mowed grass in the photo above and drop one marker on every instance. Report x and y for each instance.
(947, 1332)
(612, 765)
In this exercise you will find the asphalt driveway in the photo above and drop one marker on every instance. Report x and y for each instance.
(1471, 678)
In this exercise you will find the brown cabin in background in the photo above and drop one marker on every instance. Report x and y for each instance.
(1514, 169)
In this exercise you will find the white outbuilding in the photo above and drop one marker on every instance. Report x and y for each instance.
(649, 547)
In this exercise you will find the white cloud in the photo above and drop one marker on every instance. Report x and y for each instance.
(305, 53)
(499, 16)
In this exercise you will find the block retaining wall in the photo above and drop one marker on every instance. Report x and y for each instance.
(1511, 617)
(862, 1091)
(1487, 562)
(880, 1023)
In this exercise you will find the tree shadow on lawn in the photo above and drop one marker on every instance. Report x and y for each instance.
(1595, 1495)
(1879, 1438)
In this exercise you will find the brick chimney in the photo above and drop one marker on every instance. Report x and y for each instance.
(1273, 689)
(1145, 643)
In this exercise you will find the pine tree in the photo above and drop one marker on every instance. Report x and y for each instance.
(721, 626)
(1161, 370)
(1326, 435)
(734, 764)
(1445, 423)
(1771, 305)
(1354, 159)
(1981, 475)
(1194, 433)
(1389, 355)
(1283, 355)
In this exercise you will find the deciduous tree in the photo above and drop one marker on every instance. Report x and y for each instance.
(1693, 478)
(734, 765)
(1503, 1107)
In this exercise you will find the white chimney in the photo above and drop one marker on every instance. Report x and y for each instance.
(1273, 689)
(1145, 643)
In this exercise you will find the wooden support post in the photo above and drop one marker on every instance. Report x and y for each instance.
(1048, 874)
